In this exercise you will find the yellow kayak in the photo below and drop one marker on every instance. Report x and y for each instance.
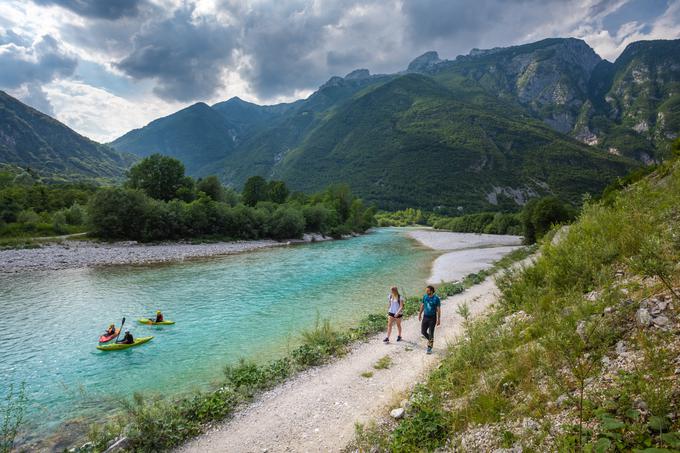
(154, 323)
(119, 346)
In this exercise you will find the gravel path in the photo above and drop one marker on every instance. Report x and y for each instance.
(80, 254)
(316, 411)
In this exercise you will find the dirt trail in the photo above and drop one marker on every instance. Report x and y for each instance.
(317, 410)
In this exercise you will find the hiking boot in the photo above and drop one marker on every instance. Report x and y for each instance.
(429, 350)
(399, 338)
(386, 340)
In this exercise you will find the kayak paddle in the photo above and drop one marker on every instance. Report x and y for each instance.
(121, 329)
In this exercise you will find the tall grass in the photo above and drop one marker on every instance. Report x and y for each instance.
(503, 370)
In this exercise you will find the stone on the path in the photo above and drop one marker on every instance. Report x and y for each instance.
(397, 413)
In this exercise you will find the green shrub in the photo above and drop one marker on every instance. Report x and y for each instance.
(505, 371)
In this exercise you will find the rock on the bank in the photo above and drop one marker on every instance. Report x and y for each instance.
(397, 413)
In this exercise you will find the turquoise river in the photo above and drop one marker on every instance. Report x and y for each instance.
(252, 305)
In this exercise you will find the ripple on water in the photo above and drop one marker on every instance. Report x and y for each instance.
(248, 305)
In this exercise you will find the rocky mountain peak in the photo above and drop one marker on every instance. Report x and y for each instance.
(333, 82)
(578, 52)
(424, 62)
(358, 74)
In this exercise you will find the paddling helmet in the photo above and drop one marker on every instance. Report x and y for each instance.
(158, 312)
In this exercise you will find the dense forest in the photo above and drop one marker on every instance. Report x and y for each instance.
(159, 202)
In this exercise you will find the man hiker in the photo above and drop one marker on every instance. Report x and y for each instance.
(430, 315)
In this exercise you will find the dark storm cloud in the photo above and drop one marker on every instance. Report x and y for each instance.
(25, 63)
(456, 26)
(36, 98)
(102, 9)
(278, 47)
(284, 43)
(27, 66)
(463, 24)
(185, 55)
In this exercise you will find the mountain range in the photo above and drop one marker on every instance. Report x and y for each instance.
(31, 139)
(487, 130)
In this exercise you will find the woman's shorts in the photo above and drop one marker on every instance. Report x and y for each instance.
(391, 315)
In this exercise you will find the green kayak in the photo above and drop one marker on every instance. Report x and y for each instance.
(154, 323)
(118, 346)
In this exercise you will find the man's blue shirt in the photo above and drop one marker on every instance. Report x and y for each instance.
(431, 303)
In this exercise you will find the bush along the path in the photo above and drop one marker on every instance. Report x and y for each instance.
(153, 423)
(581, 354)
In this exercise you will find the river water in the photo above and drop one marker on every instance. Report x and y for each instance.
(250, 305)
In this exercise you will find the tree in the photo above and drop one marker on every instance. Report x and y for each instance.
(116, 213)
(287, 223)
(212, 187)
(254, 190)
(277, 191)
(675, 147)
(339, 197)
(540, 214)
(160, 177)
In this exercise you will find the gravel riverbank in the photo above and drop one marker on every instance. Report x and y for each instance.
(80, 254)
(465, 253)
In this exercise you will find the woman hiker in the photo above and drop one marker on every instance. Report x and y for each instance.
(395, 313)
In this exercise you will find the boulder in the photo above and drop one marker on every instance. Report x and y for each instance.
(661, 321)
(397, 413)
(581, 329)
(620, 347)
(592, 296)
(643, 317)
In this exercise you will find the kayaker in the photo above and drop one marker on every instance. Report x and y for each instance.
(111, 330)
(127, 339)
(159, 316)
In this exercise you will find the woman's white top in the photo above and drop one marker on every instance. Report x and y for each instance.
(394, 303)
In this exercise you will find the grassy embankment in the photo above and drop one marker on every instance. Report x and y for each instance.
(152, 423)
(581, 354)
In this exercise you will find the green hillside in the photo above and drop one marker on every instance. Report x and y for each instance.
(495, 127)
(580, 352)
(412, 142)
(197, 135)
(258, 153)
(636, 100)
(32, 139)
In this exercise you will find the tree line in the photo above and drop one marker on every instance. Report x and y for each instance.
(158, 201)
(533, 221)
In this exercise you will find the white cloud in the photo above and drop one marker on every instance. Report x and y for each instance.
(100, 115)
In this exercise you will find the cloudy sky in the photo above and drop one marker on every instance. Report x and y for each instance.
(104, 67)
